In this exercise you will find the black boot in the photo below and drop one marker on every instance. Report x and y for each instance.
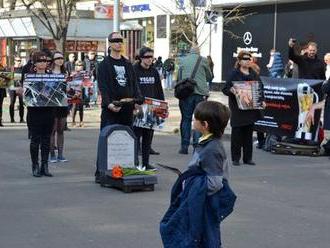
(1, 125)
(35, 170)
(44, 170)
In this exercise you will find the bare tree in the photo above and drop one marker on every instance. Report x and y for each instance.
(192, 23)
(54, 15)
(12, 4)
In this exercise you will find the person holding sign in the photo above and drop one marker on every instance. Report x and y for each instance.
(118, 88)
(60, 115)
(3, 94)
(150, 85)
(242, 121)
(40, 122)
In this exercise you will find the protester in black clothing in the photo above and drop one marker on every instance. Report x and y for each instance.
(40, 122)
(117, 82)
(310, 67)
(150, 86)
(3, 94)
(28, 67)
(60, 113)
(15, 92)
(242, 121)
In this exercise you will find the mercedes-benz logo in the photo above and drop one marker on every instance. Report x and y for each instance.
(247, 38)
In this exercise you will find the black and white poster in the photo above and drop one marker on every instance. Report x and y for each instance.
(288, 102)
(45, 90)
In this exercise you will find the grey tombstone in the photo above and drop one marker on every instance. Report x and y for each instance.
(117, 146)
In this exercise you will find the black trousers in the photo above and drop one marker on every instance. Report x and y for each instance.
(2, 96)
(13, 97)
(146, 135)
(40, 125)
(241, 137)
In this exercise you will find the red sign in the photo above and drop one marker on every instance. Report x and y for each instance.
(73, 46)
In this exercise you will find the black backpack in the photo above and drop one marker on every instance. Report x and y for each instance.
(186, 87)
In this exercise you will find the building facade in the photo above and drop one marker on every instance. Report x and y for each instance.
(270, 24)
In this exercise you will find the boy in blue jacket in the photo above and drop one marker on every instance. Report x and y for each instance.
(201, 197)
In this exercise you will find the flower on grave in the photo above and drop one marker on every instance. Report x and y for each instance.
(117, 172)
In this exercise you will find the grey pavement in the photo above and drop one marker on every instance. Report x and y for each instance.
(92, 115)
(283, 202)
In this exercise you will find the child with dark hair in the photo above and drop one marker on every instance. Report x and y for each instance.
(201, 197)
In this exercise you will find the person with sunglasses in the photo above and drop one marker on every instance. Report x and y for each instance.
(61, 114)
(14, 93)
(79, 94)
(117, 81)
(40, 121)
(241, 121)
(150, 85)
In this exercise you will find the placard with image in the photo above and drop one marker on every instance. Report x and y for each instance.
(45, 90)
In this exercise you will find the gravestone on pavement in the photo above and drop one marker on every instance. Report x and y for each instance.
(118, 146)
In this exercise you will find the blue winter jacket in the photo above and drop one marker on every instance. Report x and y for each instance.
(277, 68)
(193, 218)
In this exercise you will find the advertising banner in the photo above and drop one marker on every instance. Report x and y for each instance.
(45, 90)
(288, 102)
(152, 114)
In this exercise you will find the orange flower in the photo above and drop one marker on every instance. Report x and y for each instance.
(117, 172)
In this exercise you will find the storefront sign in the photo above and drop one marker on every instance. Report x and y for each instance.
(103, 11)
(136, 8)
(73, 46)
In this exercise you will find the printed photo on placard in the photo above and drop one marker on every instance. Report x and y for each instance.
(249, 94)
(152, 114)
(6, 79)
(45, 90)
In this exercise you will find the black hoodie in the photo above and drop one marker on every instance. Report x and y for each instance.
(149, 82)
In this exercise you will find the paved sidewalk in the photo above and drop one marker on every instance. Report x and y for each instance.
(92, 115)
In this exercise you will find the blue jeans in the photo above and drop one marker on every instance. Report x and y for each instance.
(168, 80)
(187, 108)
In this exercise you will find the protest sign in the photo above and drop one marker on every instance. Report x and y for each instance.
(288, 102)
(249, 94)
(76, 85)
(45, 90)
(152, 114)
(6, 79)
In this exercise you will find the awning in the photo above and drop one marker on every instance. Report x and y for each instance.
(79, 29)
(17, 27)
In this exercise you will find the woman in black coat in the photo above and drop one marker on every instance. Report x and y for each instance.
(242, 121)
(40, 121)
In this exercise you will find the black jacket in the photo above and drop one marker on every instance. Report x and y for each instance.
(149, 82)
(308, 68)
(114, 87)
(240, 117)
(326, 117)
